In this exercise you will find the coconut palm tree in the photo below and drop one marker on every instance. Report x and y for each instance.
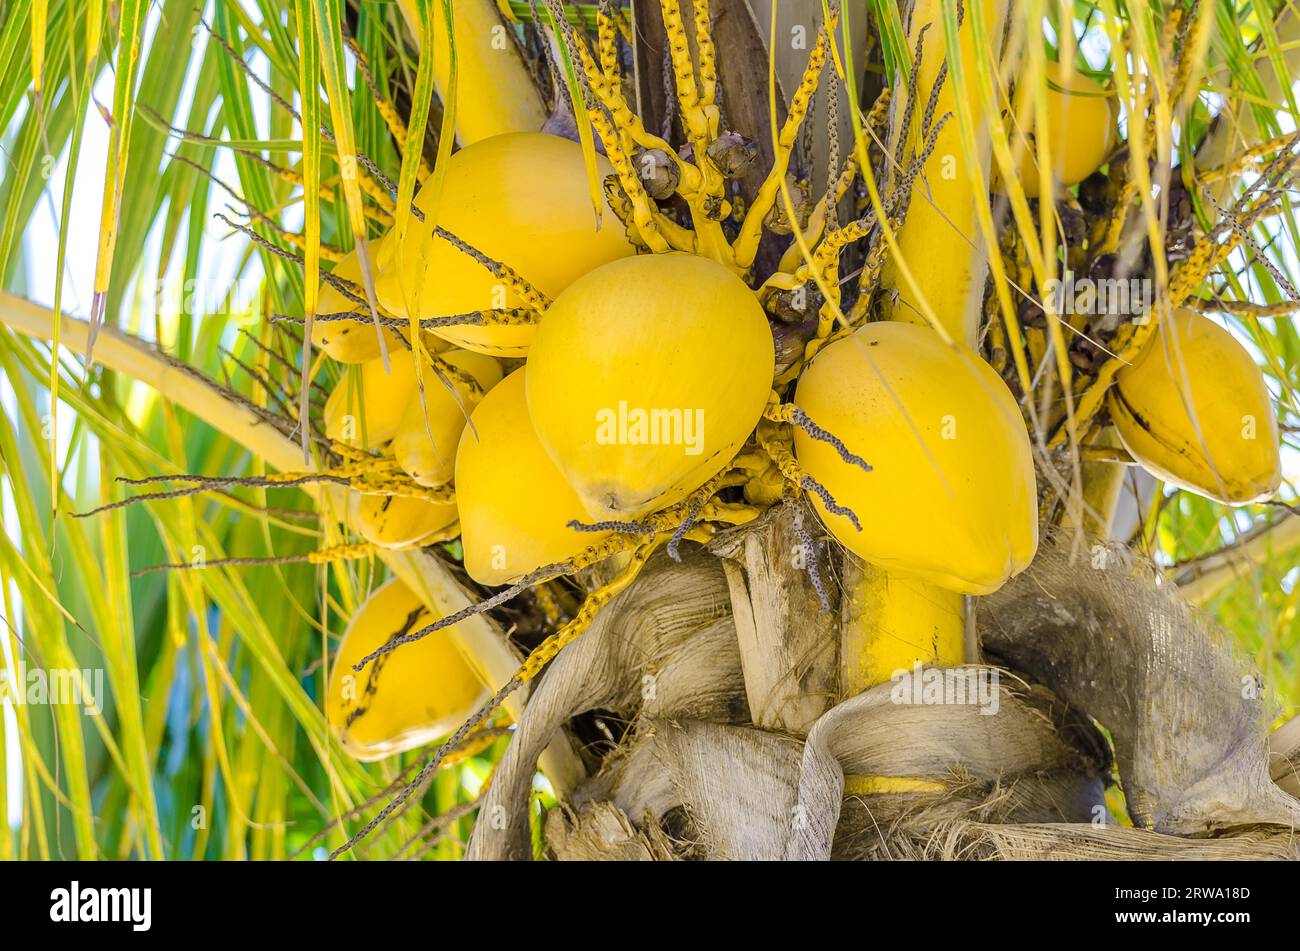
(682, 429)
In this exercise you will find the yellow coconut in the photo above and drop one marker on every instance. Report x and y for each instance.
(951, 497)
(646, 377)
(399, 521)
(1193, 409)
(523, 200)
(426, 438)
(514, 503)
(418, 693)
(1081, 124)
(351, 341)
(367, 404)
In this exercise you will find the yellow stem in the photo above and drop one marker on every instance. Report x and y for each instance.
(494, 91)
(896, 621)
(889, 623)
(941, 241)
(1103, 483)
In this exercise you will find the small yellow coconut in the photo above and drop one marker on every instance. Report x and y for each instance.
(366, 406)
(1193, 409)
(418, 693)
(514, 503)
(351, 341)
(951, 497)
(425, 443)
(646, 377)
(399, 521)
(1081, 118)
(523, 200)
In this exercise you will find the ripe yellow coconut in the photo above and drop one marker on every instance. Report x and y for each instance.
(1193, 409)
(514, 503)
(366, 406)
(399, 521)
(418, 693)
(425, 443)
(523, 200)
(351, 341)
(646, 377)
(1080, 121)
(951, 497)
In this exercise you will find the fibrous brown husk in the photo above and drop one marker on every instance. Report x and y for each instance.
(789, 648)
(873, 735)
(1284, 756)
(756, 794)
(1062, 842)
(1188, 719)
(666, 643)
(695, 777)
(603, 833)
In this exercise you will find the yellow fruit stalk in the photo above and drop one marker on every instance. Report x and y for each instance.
(406, 698)
(522, 200)
(891, 619)
(1193, 409)
(951, 497)
(494, 91)
(1081, 127)
(941, 239)
(514, 504)
(645, 379)
(426, 438)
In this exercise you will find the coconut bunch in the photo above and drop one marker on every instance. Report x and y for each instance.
(912, 448)
(575, 384)
(656, 344)
(607, 381)
(569, 378)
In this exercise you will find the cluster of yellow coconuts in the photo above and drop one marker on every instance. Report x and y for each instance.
(647, 374)
(644, 378)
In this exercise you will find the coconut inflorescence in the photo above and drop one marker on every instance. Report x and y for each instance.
(638, 409)
(592, 402)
